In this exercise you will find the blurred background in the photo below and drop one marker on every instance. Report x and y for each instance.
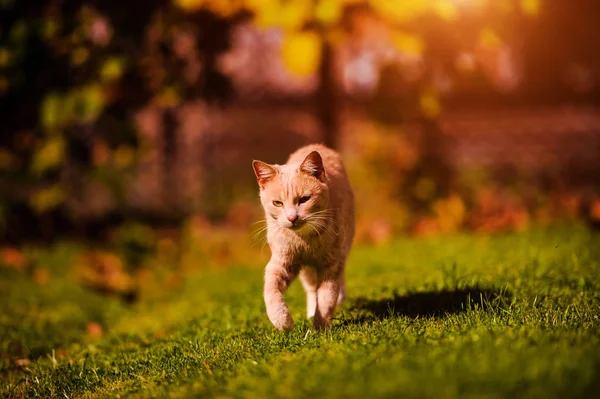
(128, 127)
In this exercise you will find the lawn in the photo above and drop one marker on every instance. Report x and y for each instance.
(514, 315)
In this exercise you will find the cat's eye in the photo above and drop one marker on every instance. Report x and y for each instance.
(302, 200)
(278, 203)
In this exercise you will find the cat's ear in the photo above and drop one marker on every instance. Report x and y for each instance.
(264, 172)
(313, 165)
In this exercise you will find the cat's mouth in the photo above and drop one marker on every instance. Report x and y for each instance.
(297, 225)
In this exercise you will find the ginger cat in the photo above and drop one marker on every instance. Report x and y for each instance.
(309, 209)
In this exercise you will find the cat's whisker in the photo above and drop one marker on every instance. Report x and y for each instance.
(314, 228)
(258, 233)
(329, 212)
(327, 224)
(326, 221)
(257, 226)
(319, 226)
(266, 238)
(323, 214)
(260, 230)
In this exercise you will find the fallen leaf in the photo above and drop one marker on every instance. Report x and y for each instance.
(22, 362)
(94, 330)
(13, 258)
(41, 276)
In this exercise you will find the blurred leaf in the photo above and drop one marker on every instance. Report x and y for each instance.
(52, 111)
(22, 362)
(291, 15)
(112, 69)
(91, 103)
(465, 62)
(49, 156)
(6, 159)
(489, 39)
(408, 43)
(424, 189)
(80, 55)
(168, 97)
(594, 210)
(136, 235)
(5, 57)
(3, 85)
(104, 271)
(294, 14)
(328, 11)
(94, 330)
(430, 103)
(41, 276)
(100, 154)
(450, 213)
(49, 28)
(224, 8)
(398, 11)
(190, 5)
(530, 7)
(504, 7)
(13, 258)
(19, 31)
(123, 156)
(301, 52)
(446, 9)
(47, 199)
(265, 17)
(69, 106)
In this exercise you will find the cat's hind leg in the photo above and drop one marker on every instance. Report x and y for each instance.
(308, 277)
(342, 283)
(327, 295)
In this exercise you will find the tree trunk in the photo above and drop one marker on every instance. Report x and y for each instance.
(328, 96)
(169, 132)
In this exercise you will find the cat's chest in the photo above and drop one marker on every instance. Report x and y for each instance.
(317, 252)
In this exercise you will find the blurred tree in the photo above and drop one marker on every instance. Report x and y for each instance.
(448, 39)
(72, 74)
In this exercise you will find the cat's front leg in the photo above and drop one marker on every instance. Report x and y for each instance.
(278, 276)
(327, 297)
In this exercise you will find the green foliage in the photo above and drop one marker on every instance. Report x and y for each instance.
(73, 74)
(134, 241)
(47, 199)
(463, 316)
(50, 155)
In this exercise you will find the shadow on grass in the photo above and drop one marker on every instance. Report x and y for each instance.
(427, 304)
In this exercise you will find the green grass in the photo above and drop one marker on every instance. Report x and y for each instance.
(464, 316)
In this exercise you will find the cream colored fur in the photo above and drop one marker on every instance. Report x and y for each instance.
(309, 209)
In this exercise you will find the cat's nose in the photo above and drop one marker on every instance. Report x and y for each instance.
(292, 218)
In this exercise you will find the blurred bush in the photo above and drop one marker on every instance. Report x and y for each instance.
(72, 76)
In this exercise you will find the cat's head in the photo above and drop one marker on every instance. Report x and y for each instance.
(295, 197)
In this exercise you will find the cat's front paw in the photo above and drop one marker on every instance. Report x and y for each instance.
(280, 317)
(283, 322)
